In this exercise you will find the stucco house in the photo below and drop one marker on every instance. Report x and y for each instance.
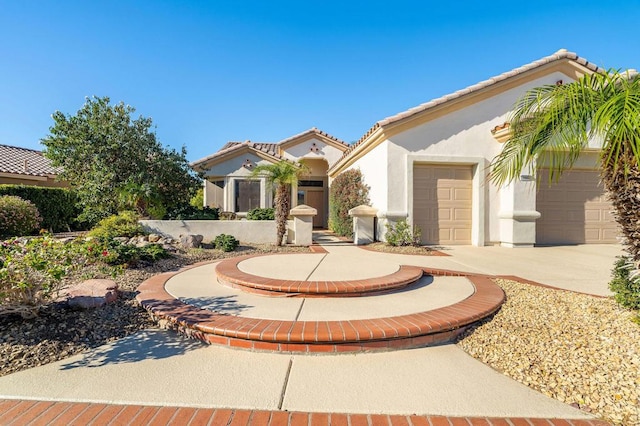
(23, 166)
(229, 185)
(429, 165)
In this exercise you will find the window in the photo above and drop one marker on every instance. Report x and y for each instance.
(313, 183)
(247, 195)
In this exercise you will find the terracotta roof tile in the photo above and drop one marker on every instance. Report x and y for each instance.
(559, 55)
(24, 161)
(269, 148)
(316, 131)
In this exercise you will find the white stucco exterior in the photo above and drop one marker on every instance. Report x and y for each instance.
(457, 129)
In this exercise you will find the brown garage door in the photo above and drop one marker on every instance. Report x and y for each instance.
(574, 210)
(442, 203)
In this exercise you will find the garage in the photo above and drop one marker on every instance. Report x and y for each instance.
(574, 210)
(442, 203)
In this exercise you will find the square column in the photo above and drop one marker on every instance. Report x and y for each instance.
(303, 224)
(363, 224)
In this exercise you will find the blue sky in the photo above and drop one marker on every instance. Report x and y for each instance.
(212, 71)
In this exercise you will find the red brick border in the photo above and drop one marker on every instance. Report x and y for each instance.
(432, 252)
(405, 331)
(230, 275)
(22, 412)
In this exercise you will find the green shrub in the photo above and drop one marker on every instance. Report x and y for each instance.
(225, 242)
(261, 214)
(197, 200)
(57, 206)
(114, 252)
(124, 224)
(347, 191)
(18, 217)
(31, 272)
(402, 235)
(193, 213)
(625, 284)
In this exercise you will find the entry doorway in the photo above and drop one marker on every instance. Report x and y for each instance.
(314, 197)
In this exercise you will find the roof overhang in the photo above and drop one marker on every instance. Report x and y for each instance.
(564, 62)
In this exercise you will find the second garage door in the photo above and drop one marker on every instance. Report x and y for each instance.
(574, 210)
(442, 203)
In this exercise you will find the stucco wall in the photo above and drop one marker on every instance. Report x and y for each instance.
(247, 231)
(374, 167)
(460, 136)
(303, 150)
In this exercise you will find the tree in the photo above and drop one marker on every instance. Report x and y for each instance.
(110, 157)
(281, 175)
(554, 124)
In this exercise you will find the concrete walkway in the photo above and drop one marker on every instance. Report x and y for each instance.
(162, 368)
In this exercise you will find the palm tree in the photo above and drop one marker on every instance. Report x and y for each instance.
(282, 175)
(554, 124)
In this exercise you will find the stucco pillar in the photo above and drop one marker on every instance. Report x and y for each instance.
(303, 224)
(363, 224)
(518, 213)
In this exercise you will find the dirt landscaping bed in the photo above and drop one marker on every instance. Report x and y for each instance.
(59, 332)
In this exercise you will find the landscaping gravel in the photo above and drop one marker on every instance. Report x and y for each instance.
(59, 332)
(579, 349)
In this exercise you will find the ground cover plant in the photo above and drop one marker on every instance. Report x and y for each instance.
(225, 243)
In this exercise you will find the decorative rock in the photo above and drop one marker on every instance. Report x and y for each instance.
(153, 238)
(92, 294)
(191, 241)
(123, 240)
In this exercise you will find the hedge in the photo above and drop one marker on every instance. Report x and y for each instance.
(347, 191)
(57, 206)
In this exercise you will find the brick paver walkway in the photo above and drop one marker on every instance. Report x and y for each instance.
(20, 412)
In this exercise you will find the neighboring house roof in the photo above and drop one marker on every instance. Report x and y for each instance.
(24, 161)
(269, 151)
(561, 55)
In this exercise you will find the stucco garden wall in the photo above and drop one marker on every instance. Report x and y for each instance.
(247, 231)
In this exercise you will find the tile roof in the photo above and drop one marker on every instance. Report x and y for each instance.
(229, 147)
(559, 55)
(270, 148)
(316, 131)
(24, 161)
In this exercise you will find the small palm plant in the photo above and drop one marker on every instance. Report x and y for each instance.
(282, 176)
(556, 122)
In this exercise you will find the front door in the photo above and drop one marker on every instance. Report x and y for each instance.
(314, 198)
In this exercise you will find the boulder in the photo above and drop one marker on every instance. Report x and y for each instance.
(91, 293)
(191, 241)
(153, 238)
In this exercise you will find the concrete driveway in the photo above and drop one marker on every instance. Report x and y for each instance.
(580, 268)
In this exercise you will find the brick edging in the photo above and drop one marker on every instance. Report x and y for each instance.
(23, 412)
(404, 331)
(230, 275)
